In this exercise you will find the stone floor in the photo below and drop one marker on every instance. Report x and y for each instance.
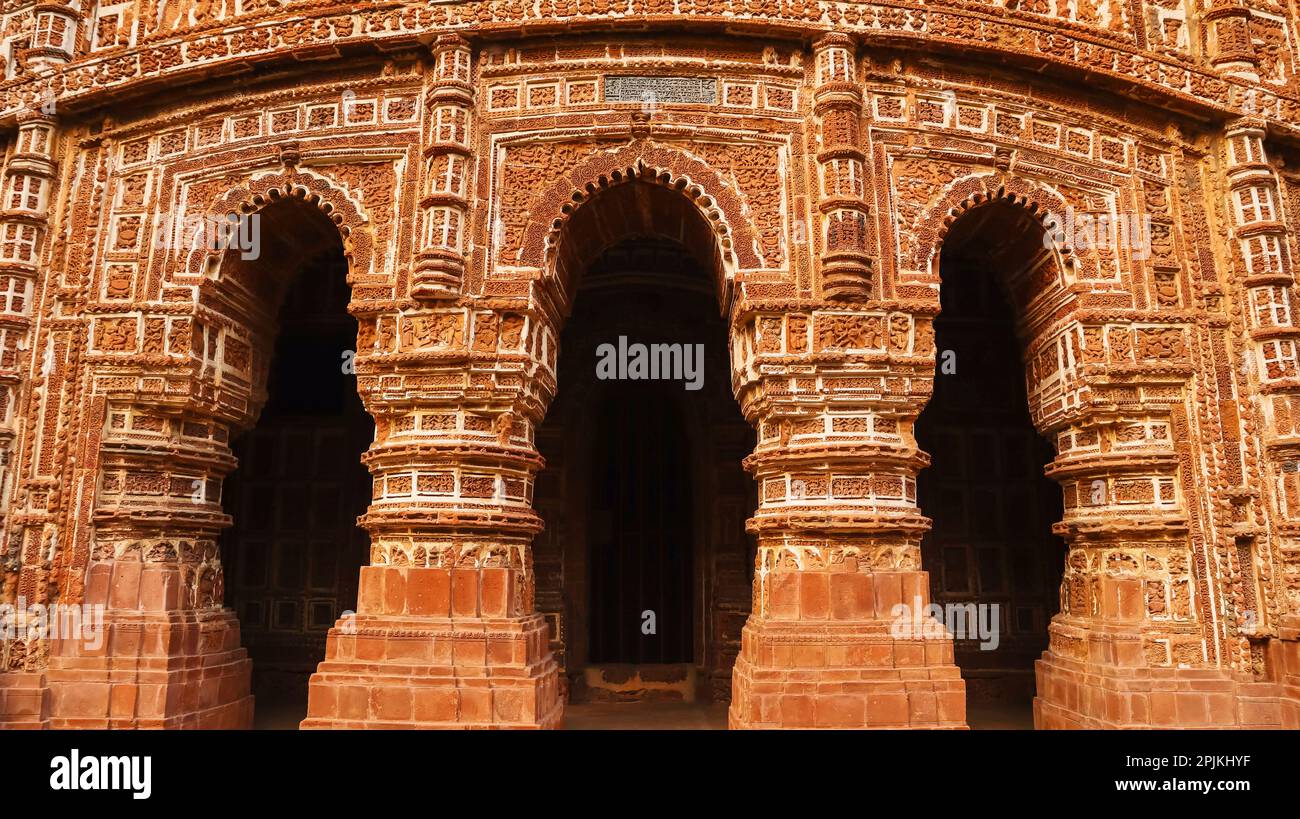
(709, 717)
(1000, 717)
(662, 716)
(645, 716)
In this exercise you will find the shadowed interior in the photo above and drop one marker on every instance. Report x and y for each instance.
(294, 550)
(644, 494)
(992, 507)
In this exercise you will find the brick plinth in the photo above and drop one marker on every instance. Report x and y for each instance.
(1075, 694)
(826, 656)
(22, 700)
(437, 648)
(174, 669)
(1288, 663)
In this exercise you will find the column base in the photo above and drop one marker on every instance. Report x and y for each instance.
(383, 672)
(22, 700)
(405, 663)
(1075, 694)
(178, 669)
(843, 675)
(1287, 653)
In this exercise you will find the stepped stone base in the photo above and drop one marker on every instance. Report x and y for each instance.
(169, 669)
(437, 648)
(1076, 694)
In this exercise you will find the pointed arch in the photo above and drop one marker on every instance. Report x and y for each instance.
(723, 209)
(301, 216)
(1038, 201)
(287, 185)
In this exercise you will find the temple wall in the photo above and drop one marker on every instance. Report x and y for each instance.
(828, 169)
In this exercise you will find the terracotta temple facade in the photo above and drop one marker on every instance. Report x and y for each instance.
(440, 193)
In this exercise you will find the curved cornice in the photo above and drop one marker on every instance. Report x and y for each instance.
(319, 30)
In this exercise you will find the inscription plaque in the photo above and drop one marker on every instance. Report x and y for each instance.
(652, 90)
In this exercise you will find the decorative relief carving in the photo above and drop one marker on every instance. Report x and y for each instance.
(1166, 382)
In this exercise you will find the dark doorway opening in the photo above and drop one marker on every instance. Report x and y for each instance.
(644, 493)
(992, 506)
(641, 531)
(293, 554)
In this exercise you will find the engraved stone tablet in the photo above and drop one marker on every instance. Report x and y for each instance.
(665, 90)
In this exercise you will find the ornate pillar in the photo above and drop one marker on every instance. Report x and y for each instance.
(1288, 661)
(1263, 243)
(445, 634)
(168, 655)
(1138, 639)
(1130, 621)
(449, 111)
(840, 635)
(28, 186)
(841, 170)
(25, 560)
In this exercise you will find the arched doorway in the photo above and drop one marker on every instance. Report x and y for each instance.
(991, 553)
(293, 552)
(644, 569)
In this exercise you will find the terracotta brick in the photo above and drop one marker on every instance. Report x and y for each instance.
(464, 593)
(814, 595)
(475, 706)
(434, 704)
(798, 711)
(370, 594)
(783, 596)
(888, 709)
(830, 268)
(395, 590)
(839, 711)
(496, 592)
(851, 596)
(393, 703)
(887, 593)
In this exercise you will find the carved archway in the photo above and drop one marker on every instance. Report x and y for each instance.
(735, 239)
(317, 191)
(298, 213)
(1040, 202)
(989, 447)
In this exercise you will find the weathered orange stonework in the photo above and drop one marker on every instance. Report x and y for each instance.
(437, 647)
(473, 160)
